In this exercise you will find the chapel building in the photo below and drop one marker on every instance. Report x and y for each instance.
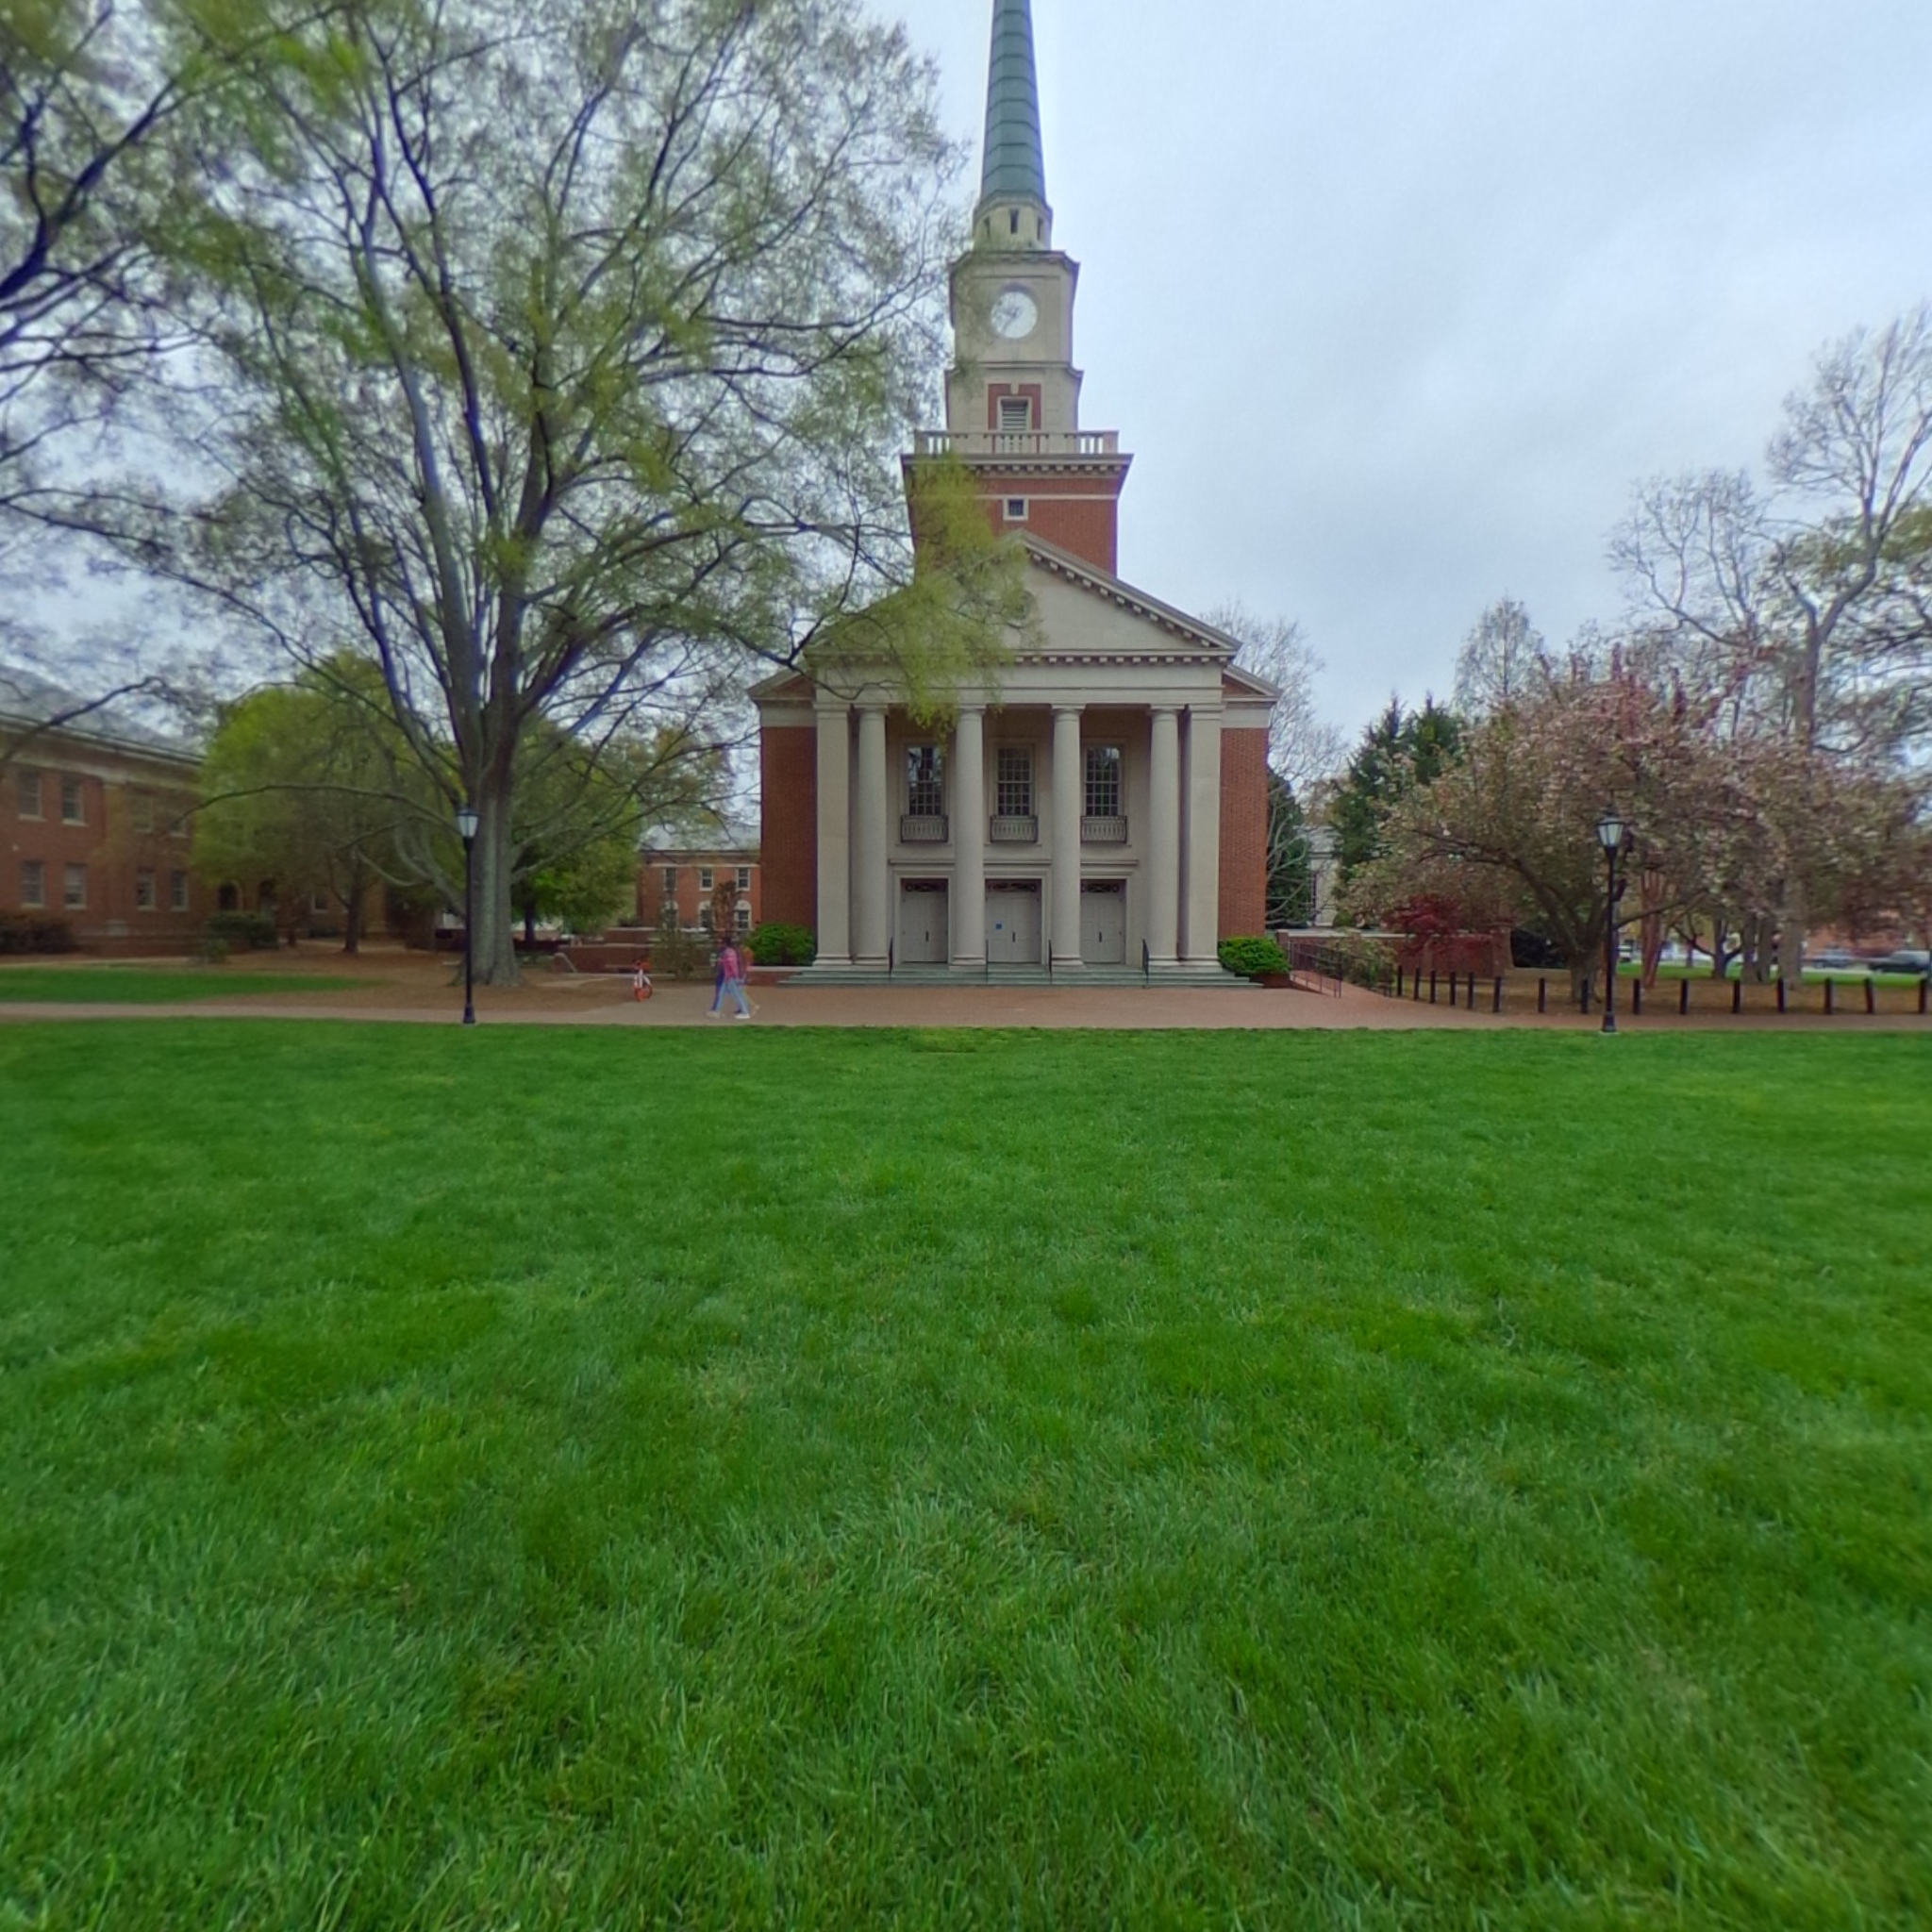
(1102, 806)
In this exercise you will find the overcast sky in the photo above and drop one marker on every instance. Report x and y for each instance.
(1394, 301)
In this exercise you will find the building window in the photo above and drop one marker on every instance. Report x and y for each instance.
(1015, 784)
(72, 803)
(77, 888)
(708, 879)
(146, 897)
(26, 791)
(178, 829)
(144, 814)
(671, 882)
(744, 879)
(321, 905)
(1016, 415)
(741, 918)
(33, 884)
(1016, 509)
(925, 789)
(1103, 782)
(178, 890)
(706, 918)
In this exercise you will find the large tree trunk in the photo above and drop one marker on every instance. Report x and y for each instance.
(493, 937)
(354, 902)
(1791, 938)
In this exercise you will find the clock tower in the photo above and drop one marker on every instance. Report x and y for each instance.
(1013, 394)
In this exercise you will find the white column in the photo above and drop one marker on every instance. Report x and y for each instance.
(1164, 839)
(835, 836)
(1202, 939)
(1069, 800)
(967, 898)
(871, 909)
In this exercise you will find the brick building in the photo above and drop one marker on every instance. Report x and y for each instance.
(95, 823)
(1104, 805)
(677, 872)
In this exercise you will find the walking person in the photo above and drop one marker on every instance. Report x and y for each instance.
(718, 980)
(731, 965)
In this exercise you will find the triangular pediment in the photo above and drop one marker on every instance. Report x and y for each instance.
(1087, 613)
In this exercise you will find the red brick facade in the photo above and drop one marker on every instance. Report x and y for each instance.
(1243, 833)
(689, 878)
(790, 788)
(99, 835)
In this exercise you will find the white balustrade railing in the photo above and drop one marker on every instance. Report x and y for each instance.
(1021, 444)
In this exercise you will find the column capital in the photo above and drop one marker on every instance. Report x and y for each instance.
(972, 710)
(1164, 710)
(869, 707)
(1070, 710)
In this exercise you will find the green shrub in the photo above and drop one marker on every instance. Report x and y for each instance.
(28, 935)
(784, 945)
(248, 932)
(1250, 958)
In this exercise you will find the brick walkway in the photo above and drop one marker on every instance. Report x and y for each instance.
(607, 1003)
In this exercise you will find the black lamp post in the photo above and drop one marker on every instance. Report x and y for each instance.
(1610, 834)
(466, 828)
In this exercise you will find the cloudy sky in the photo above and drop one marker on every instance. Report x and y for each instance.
(1394, 301)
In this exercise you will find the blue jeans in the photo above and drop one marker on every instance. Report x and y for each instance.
(734, 990)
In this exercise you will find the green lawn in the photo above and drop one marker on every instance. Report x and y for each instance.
(535, 1479)
(150, 985)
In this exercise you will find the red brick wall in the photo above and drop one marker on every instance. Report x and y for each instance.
(789, 768)
(109, 844)
(1079, 514)
(1243, 833)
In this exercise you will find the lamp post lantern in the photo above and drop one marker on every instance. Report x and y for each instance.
(1610, 833)
(466, 829)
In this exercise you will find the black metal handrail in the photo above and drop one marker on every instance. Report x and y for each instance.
(1146, 964)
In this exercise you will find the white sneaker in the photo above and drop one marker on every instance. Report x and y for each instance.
(743, 1016)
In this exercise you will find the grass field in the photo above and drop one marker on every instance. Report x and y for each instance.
(150, 985)
(531, 1480)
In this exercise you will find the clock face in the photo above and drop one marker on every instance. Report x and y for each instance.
(1015, 315)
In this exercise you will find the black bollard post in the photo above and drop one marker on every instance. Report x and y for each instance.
(1683, 999)
(1499, 992)
(1542, 995)
(1737, 995)
(1871, 993)
(1830, 998)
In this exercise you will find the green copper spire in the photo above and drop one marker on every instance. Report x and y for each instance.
(1015, 163)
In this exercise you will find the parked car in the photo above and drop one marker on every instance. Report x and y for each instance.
(1906, 960)
(1838, 961)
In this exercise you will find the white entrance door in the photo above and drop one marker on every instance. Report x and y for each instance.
(926, 936)
(1103, 924)
(1012, 924)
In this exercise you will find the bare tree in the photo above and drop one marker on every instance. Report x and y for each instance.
(1500, 658)
(1303, 747)
(1805, 609)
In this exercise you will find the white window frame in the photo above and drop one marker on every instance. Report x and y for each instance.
(33, 885)
(934, 805)
(708, 878)
(1100, 756)
(74, 875)
(1001, 781)
(30, 786)
(77, 789)
(744, 879)
(144, 814)
(177, 891)
(1016, 415)
(147, 890)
